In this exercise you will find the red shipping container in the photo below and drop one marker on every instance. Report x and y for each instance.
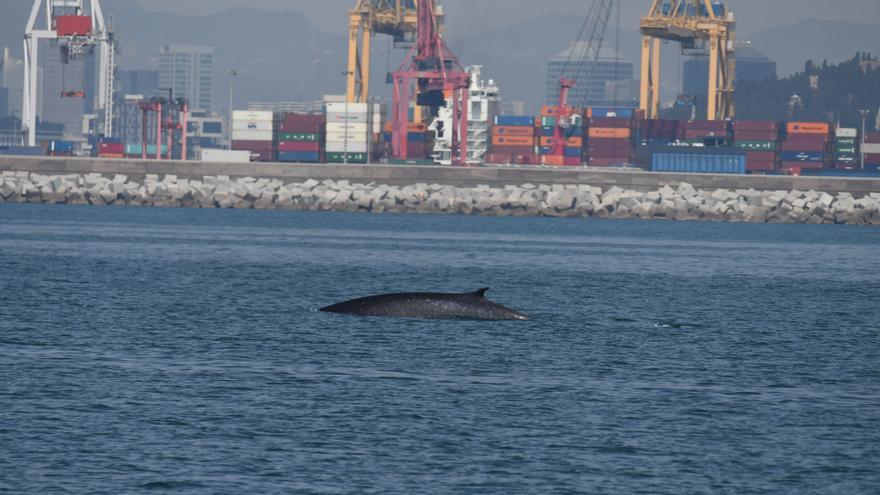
(614, 122)
(760, 156)
(499, 158)
(571, 161)
(73, 25)
(302, 118)
(872, 157)
(760, 166)
(605, 162)
(527, 159)
(872, 137)
(718, 126)
(252, 145)
(298, 146)
(755, 135)
(301, 127)
(111, 148)
(802, 165)
(514, 150)
(802, 145)
(755, 126)
(702, 134)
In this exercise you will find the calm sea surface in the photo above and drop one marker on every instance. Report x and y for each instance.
(180, 351)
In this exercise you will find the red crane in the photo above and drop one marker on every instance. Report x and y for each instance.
(436, 73)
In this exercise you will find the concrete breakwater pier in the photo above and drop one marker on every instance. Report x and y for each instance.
(682, 202)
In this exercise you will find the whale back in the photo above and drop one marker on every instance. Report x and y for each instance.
(432, 305)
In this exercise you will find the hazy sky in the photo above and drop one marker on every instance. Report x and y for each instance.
(754, 15)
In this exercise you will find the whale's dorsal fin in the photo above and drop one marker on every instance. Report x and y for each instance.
(481, 292)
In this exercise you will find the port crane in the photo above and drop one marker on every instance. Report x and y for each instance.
(432, 73)
(395, 18)
(591, 37)
(695, 24)
(76, 31)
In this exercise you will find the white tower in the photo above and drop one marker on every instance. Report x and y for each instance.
(76, 30)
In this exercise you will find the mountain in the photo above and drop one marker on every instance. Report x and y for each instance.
(813, 39)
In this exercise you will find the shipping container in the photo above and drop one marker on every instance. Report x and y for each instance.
(799, 145)
(299, 156)
(624, 113)
(137, 149)
(335, 157)
(252, 125)
(342, 147)
(572, 151)
(755, 136)
(690, 163)
(302, 127)
(808, 128)
(111, 148)
(224, 156)
(755, 145)
(502, 130)
(252, 115)
(300, 137)
(802, 156)
(872, 138)
(341, 137)
(846, 140)
(842, 132)
(358, 128)
(616, 122)
(760, 156)
(786, 165)
(608, 132)
(716, 126)
(298, 146)
(755, 126)
(572, 142)
(360, 118)
(760, 166)
(238, 135)
(871, 148)
(513, 141)
(514, 120)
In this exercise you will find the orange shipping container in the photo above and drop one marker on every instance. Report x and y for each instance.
(510, 130)
(572, 142)
(548, 111)
(608, 132)
(513, 140)
(808, 128)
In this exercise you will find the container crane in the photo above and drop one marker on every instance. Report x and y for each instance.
(77, 31)
(435, 72)
(695, 24)
(395, 18)
(593, 34)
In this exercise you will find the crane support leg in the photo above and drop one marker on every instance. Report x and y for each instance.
(649, 97)
(655, 78)
(712, 112)
(364, 65)
(352, 72)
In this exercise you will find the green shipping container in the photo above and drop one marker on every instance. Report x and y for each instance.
(845, 149)
(548, 121)
(845, 141)
(756, 145)
(298, 137)
(340, 157)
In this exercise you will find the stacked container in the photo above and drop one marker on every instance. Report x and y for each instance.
(758, 139)
(574, 141)
(136, 151)
(347, 132)
(805, 147)
(60, 148)
(872, 151)
(846, 148)
(513, 140)
(706, 132)
(253, 131)
(300, 138)
(609, 141)
(110, 148)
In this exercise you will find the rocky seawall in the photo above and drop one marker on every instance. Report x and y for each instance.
(683, 202)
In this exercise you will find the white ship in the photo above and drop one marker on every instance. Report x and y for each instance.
(484, 105)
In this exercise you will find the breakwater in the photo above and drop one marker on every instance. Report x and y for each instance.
(683, 202)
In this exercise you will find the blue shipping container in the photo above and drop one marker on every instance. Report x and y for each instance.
(299, 156)
(803, 156)
(544, 150)
(61, 146)
(22, 151)
(415, 136)
(700, 164)
(514, 120)
(621, 113)
(570, 151)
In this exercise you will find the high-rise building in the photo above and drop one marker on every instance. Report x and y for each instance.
(751, 65)
(189, 72)
(12, 78)
(609, 85)
(137, 82)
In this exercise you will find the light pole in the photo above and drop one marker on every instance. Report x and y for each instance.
(232, 74)
(862, 140)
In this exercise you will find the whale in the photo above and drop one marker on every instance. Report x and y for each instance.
(428, 305)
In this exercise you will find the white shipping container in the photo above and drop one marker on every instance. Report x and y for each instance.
(238, 135)
(337, 147)
(251, 115)
(339, 137)
(252, 125)
(225, 156)
(871, 148)
(847, 132)
(342, 107)
(351, 117)
(350, 127)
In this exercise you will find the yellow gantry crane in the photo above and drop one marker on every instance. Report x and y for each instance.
(396, 18)
(695, 24)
